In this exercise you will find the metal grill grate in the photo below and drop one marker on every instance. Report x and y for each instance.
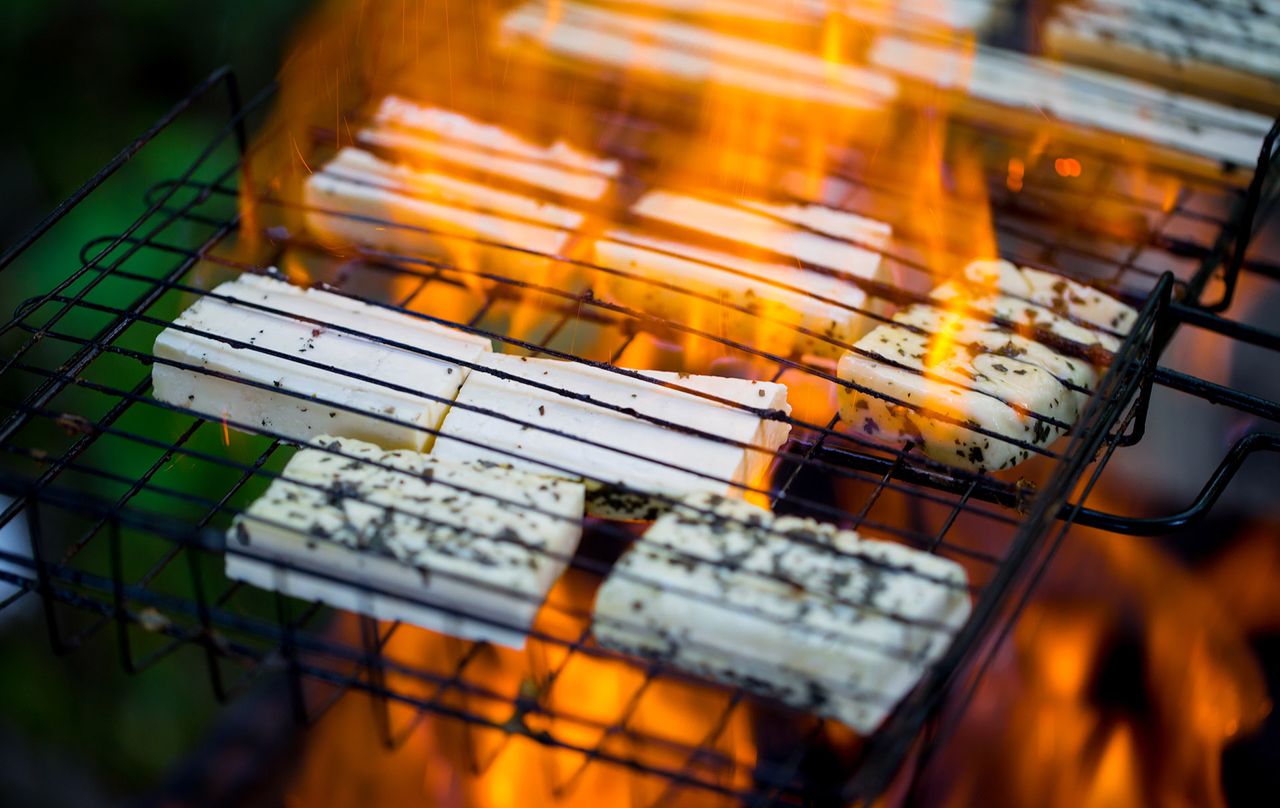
(126, 499)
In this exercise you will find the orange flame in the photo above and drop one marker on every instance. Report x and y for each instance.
(1128, 699)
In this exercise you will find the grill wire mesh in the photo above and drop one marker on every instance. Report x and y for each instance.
(126, 500)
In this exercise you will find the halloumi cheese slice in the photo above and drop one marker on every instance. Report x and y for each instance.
(934, 373)
(759, 302)
(1093, 105)
(756, 303)
(1220, 50)
(784, 607)
(648, 45)
(630, 439)
(466, 549)
(362, 199)
(260, 314)
(1096, 311)
(838, 240)
(430, 135)
(953, 15)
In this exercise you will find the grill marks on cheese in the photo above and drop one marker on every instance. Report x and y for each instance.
(790, 608)
(476, 539)
(311, 363)
(983, 375)
(633, 440)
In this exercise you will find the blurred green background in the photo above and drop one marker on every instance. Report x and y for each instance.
(78, 80)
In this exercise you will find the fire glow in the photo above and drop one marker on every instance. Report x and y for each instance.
(1055, 746)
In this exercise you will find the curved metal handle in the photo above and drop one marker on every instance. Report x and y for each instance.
(1204, 501)
(1244, 231)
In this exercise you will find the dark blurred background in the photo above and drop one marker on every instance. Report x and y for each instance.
(79, 79)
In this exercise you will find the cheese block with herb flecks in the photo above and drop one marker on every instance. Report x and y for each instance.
(448, 141)
(1063, 297)
(362, 199)
(277, 371)
(590, 37)
(784, 607)
(1088, 106)
(813, 234)
(635, 441)
(468, 549)
(774, 308)
(935, 376)
(1223, 49)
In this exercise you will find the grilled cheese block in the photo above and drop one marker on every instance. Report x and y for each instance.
(635, 441)
(263, 354)
(937, 375)
(468, 549)
(818, 618)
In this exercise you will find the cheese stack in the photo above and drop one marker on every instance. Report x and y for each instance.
(784, 607)
(942, 371)
(469, 549)
(772, 303)
(230, 331)
(647, 46)
(433, 182)
(635, 441)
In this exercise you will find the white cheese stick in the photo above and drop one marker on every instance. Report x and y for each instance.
(777, 294)
(668, 461)
(784, 607)
(779, 298)
(359, 198)
(813, 234)
(931, 408)
(432, 135)
(1215, 50)
(964, 371)
(1089, 100)
(952, 15)
(690, 53)
(298, 417)
(1060, 295)
(469, 550)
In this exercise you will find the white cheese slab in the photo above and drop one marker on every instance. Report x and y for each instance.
(1086, 98)
(964, 371)
(469, 550)
(1174, 37)
(359, 198)
(784, 607)
(779, 298)
(667, 461)
(952, 15)
(1060, 295)
(425, 134)
(297, 417)
(691, 53)
(834, 239)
